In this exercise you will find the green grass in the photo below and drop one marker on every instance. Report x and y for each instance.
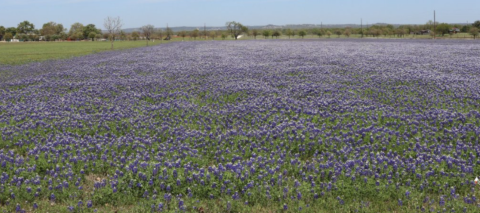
(26, 52)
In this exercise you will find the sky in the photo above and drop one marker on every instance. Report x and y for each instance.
(196, 13)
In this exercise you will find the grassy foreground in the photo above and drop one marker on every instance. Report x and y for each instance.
(26, 52)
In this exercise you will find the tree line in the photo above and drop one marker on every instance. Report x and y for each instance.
(430, 28)
(53, 31)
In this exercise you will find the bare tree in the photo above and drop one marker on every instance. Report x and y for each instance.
(160, 34)
(147, 31)
(113, 26)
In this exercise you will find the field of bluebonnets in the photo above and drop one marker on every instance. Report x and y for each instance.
(245, 126)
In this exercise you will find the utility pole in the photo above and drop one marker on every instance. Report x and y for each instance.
(361, 27)
(434, 25)
(167, 32)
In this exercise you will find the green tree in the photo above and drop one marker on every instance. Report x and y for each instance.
(288, 32)
(474, 32)
(476, 24)
(98, 36)
(320, 33)
(245, 30)
(465, 29)
(182, 34)
(159, 33)
(400, 32)
(90, 28)
(386, 31)
(25, 27)
(8, 36)
(429, 25)
(224, 36)
(63, 36)
(51, 28)
(212, 34)
(2, 32)
(123, 35)
(135, 35)
(34, 37)
(266, 33)
(168, 33)
(79, 36)
(194, 34)
(11, 30)
(235, 29)
(338, 33)
(302, 33)
(443, 28)
(255, 33)
(276, 33)
(328, 33)
(92, 35)
(60, 29)
(347, 33)
(75, 29)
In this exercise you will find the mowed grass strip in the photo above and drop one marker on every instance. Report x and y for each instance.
(26, 52)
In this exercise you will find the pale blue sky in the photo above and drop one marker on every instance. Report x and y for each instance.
(248, 12)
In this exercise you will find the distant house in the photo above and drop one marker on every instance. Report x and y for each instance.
(454, 30)
(421, 32)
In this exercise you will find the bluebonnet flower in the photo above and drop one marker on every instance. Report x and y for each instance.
(167, 197)
(181, 205)
(442, 201)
